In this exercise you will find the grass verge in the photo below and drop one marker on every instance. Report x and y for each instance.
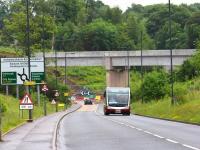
(13, 117)
(186, 112)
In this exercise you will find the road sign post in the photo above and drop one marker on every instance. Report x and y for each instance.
(56, 95)
(45, 89)
(66, 98)
(0, 123)
(27, 104)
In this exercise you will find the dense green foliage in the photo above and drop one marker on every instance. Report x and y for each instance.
(71, 25)
(189, 69)
(155, 85)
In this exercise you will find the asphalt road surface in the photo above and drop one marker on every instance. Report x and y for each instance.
(89, 129)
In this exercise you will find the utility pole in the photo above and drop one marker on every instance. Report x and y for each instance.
(141, 48)
(56, 72)
(128, 69)
(65, 78)
(65, 70)
(171, 56)
(28, 51)
(43, 47)
(0, 122)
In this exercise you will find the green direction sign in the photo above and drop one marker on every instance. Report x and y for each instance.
(9, 77)
(89, 96)
(38, 77)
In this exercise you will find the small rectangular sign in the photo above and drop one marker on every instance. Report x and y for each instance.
(61, 105)
(66, 94)
(26, 107)
(9, 77)
(38, 77)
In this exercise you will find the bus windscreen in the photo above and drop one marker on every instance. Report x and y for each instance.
(118, 98)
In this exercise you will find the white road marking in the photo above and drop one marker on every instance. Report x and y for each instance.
(191, 147)
(138, 129)
(172, 141)
(148, 132)
(161, 137)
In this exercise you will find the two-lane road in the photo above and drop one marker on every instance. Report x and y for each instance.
(89, 129)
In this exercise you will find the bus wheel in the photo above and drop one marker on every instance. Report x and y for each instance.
(105, 113)
(126, 114)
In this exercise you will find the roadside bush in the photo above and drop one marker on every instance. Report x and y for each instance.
(190, 68)
(155, 85)
(180, 90)
(135, 86)
(3, 108)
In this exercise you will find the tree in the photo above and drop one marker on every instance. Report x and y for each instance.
(67, 10)
(193, 30)
(99, 35)
(66, 36)
(113, 15)
(14, 31)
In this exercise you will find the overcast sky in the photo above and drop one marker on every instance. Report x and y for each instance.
(123, 4)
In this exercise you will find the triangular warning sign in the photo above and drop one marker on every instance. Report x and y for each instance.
(53, 102)
(26, 100)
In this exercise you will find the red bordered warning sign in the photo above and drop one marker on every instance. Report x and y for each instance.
(26, 102)
(45, 88)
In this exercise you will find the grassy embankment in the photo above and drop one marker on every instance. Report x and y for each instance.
(93, 78)
(9, 52)
(187, 107)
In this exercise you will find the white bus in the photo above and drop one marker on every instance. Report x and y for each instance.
(117, 100)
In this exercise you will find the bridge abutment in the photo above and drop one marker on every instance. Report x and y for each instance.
(116, 76)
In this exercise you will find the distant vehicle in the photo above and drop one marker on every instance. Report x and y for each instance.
(117, 100)
(87, 102)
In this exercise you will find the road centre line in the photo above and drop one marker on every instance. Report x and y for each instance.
(148, 132)
(158, 136)
(169, 140)
(138, 129)
(191, 147)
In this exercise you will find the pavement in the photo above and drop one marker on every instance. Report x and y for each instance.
(91, 130)
(36, 135)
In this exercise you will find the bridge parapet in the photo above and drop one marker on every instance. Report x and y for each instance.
(119, 58)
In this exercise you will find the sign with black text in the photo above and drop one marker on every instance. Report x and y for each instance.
(15, 70)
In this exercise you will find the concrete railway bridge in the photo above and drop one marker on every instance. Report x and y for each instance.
(117, 63)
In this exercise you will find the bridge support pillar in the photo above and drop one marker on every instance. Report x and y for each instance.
(116, 76)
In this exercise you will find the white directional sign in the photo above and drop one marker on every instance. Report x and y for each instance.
(15, 70)
(26, 102)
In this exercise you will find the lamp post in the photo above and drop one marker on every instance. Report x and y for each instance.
(128, 69)
(28, 51)
(141, 48)
(0, 122)
(65, 70)
(171, 56)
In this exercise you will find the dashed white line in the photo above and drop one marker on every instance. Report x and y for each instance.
(191, 147)
(172, 141)
(138, 129)
(148, 132)
(161, 137)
